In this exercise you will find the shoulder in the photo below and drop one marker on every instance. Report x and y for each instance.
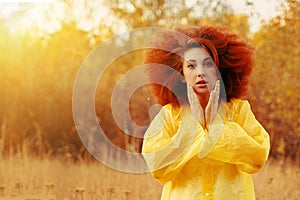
(170, 109)
(237, 108)
(166, 120)
(239, 104)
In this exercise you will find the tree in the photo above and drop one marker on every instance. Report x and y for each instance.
(275, 87)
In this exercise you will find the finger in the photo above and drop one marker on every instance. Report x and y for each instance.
(217, 92)
(216, 98)
(210, 102)
(211, 97)
(217, 85)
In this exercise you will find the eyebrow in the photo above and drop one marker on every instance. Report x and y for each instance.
(190, 60)
(205, 59)
(208, 58)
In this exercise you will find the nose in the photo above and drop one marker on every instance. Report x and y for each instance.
(200, 72)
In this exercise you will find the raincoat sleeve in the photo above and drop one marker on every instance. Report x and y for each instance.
(242, 141)
(169, 143)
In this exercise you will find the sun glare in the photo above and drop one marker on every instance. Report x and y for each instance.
(26, 1)
(44, 17)
(41, 17)
(28, 16)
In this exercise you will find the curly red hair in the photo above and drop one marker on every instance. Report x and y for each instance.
(233, 57)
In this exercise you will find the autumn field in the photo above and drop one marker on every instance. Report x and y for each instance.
(22, 177)
(45, 45)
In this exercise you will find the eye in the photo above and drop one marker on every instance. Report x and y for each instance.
(190, 65)
(209, 63)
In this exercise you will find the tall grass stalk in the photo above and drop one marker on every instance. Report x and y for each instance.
(2, 137)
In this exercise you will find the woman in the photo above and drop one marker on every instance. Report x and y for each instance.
(205, 142)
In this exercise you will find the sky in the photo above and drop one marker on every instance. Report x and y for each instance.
(265, 9)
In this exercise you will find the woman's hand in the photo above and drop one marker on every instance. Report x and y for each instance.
(195, 106)
(212, 105)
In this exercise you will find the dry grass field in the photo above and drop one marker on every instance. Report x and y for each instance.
(25, 178)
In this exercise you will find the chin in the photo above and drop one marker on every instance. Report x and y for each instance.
(202, 91)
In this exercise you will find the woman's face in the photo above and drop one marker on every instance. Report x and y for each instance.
(199, 70)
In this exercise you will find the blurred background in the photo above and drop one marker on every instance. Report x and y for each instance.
(44, 44)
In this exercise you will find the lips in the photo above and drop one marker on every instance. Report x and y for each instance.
(201, 82)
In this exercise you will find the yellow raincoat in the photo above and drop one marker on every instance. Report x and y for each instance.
(196, 163)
